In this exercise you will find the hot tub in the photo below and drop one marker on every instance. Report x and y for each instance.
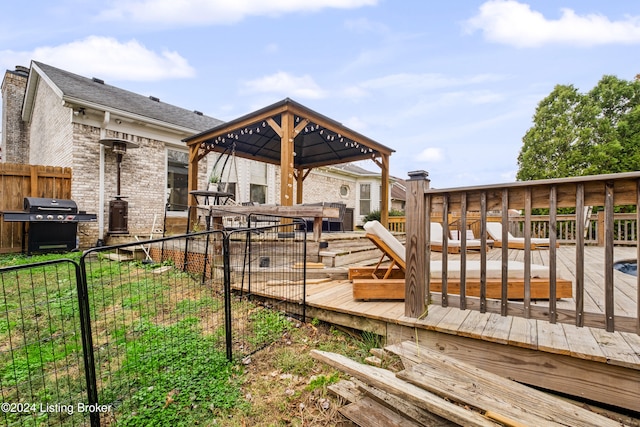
(629, 266)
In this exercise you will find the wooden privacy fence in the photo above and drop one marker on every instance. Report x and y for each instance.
(18, 181)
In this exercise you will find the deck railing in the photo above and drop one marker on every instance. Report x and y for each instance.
(475, 206)
(625, 226)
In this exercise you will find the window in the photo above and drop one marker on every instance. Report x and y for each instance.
(228, 187)
(258, 193)
(344, 190)
(365, 199)
(177, 175)
(258, 184)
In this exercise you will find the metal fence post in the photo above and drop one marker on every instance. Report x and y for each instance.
(87, 341)
(226, 261)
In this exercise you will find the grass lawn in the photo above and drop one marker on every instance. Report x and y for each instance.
(159, 350)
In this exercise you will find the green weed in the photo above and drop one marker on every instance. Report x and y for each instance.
(173, 376)
(267, 326)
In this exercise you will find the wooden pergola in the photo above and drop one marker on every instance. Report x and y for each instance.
(294, 137)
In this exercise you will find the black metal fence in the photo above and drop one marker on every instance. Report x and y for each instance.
(146, 314)
(42, 374)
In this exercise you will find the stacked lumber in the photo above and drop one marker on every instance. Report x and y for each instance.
(438, 390)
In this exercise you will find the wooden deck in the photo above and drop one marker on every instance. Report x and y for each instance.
(580, 361)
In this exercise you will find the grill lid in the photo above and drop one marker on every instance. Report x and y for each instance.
(43, 204)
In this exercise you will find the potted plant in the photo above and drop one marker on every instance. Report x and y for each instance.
(214, 180)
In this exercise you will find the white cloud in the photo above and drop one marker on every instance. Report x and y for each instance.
(431, 154)
(272, 48)
(217, 11)
(107, 58)
(425, 81)
(513, 23)
(364, 25)
(286, 85)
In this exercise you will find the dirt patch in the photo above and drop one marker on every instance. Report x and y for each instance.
(282, 381)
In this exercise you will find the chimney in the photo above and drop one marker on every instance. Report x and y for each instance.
(22, 70)
(14, 142)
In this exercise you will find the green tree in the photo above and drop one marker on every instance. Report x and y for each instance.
(578, 134)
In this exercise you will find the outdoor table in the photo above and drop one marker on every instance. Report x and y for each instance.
(211, 197)
(296, 211)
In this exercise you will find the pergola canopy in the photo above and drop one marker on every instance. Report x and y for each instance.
(296, 138)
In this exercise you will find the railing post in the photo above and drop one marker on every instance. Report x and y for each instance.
(417, 270)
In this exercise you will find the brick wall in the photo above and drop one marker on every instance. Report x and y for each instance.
(15, 133)
(51, 130)
(319, 187)
(142, 180)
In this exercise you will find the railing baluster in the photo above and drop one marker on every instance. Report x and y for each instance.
(553, 208)
(504, 303)
(637, 258)
(527, 253)
(483, 252)
(608, 257)
(579, 255)
(445, 250)
(463, 251)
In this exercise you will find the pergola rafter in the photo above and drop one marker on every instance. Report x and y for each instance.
(294, 137)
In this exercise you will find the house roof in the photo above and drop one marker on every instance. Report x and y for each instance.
(354, 169)
(399, 189)
(317, 140)
(94, 92)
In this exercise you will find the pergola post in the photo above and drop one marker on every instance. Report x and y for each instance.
(299, 184)
(286, 160)
(192, 180)
(384, 209)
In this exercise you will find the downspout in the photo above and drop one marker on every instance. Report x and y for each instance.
(103, 135)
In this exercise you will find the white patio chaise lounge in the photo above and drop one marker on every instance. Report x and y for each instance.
(494, 230)
(453, 246)
(387, 282)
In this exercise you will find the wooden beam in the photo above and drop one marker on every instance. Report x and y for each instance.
(192, 177)
(300, 126)
(277, 129)
(286, 160)
(384, 209)
(299, 176)
(236, 125)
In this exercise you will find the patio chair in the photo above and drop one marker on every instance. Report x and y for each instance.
(388, 282)
(336, 222)
(453, 246)
(494, 230)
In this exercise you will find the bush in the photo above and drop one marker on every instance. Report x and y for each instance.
(375, 215)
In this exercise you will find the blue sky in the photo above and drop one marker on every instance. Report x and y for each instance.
(450, 86)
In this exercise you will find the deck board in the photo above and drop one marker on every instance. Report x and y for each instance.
(615, 348)
(523, 333)
(452, 321)
(583, 344)
(497, 328)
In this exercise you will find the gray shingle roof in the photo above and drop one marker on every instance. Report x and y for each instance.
(355, 169)
(89, 90)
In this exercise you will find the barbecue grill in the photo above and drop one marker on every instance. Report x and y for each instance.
(53, 224)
